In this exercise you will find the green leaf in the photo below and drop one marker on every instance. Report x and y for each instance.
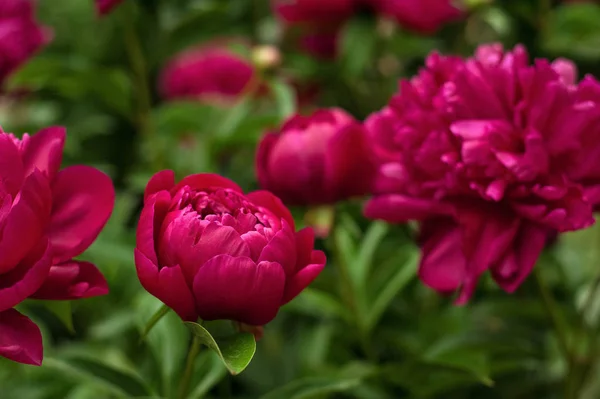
(285, 97)
(366, 252)
(235, 351)
(156, 317)
(573, 30)
(316, 302)
(233, 119)
(358, 47)
(348, 379)
(118, 381)
(403, 276)
(212, 372)
(452, 353)
(62, 310)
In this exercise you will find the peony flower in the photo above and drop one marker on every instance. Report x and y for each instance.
(207, 73)
(424, 16)
(103, 7)
(318, 22)
(20, 35)
(47, 217)
(492, 154)
(208, 250)
(319, 159)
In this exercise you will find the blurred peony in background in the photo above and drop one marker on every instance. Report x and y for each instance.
(441, 155)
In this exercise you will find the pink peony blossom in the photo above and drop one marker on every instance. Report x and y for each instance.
(424, 16)
(492, 154)
(207, 73)
(21, 35)
(47, 217)
(103, 7)
(208, 250)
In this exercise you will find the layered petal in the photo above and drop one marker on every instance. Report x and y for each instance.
(72, 280)
(43, 151)
(269, 201)
(207, 181)
(304, 277)
(167, 284)
(83, 200)
(20, 338)
(163, 180)
(237, 289)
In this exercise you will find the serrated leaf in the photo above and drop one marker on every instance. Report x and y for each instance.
(235, 351)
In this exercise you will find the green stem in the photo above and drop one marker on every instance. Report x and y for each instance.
(348, 295)
(559, 328)
(139, 68)
(186, 379)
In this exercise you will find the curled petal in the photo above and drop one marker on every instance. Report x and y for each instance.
(163, 180)
(305, 242)
(203, 181)
(167, 284)
(149, 226)
(22, 281)
(72, 280)
(281, 249)
(26, 221)
(238, 289)
(44, 151)
(83, 200)
(304, 277)
(11, 165)
(20, 338)
(269, 201)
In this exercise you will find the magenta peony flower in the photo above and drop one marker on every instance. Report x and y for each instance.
(319, 159)
(208, 250)
(47, 217)
(206, 74)
(103, 7)
(317, 22)
(491, 154)
(20, 34)
(425, 16)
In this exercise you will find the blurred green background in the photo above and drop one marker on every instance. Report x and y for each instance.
(99, 79)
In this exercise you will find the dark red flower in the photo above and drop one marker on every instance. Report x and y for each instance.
(47, 217)
(103, 7)
(318, 159)
(21, 35)
(208, 250)
(492, 154)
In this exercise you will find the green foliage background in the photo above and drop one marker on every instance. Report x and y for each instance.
(383, 335)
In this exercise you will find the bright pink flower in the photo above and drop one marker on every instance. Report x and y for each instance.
(318, 159)
(491, 153)
(103, 7)
(208, 250)
(20, 34)
(425, 16)
(207, 73)
(47, 217)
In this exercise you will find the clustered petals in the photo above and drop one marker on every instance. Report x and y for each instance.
(335, 161)
(492, 154)
(48, 216)
(21, 36)
(209, 251)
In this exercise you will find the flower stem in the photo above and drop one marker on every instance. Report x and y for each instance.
(186, 379)
(559, 328)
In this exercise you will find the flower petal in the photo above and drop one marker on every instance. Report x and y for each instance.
(20, 338)
(237, 289)
(44, 151)
(21, 282)
(269, 201)
(163, 180)
(72, 280)
(26, 221)
(305, 242)
(304, 277)
(203, 181)
(83, 200)
(397, 208)
(149, 226)
(11, 165)
(166, 284)
(281, 249)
